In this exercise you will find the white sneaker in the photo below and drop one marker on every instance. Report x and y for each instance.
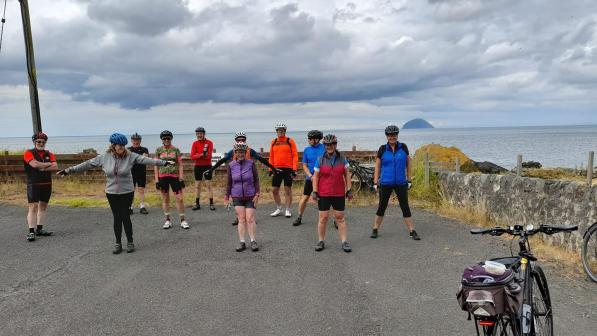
(288, 214)
(167, 225)
(276, 213)
(184, 224)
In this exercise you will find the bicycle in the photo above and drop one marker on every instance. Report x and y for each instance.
(361, 175)
(533, 315)
(589, 252)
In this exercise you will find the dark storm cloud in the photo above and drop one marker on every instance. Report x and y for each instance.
(144, 53)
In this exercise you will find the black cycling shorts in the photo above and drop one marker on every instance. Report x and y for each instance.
(384, 197)
(308, 189)
(285, 176)
(338, 203)
(169, 182)
(39, 193)
(199, 170)
(244, 203)
(139, 177)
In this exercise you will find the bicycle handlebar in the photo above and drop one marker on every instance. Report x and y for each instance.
(519, 230)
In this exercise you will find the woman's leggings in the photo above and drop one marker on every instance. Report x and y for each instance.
(120, 204)
(384, 197)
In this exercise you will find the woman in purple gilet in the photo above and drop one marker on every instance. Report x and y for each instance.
(243, 188)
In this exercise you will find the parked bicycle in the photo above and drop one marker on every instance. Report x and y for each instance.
(589, 252)
(510, 296)
(361, 175)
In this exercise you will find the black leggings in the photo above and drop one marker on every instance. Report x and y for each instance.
(120, 204)
(384, 197)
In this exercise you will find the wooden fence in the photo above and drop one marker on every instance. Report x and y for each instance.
(12, 168)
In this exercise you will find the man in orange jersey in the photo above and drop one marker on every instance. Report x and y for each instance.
(283, 156)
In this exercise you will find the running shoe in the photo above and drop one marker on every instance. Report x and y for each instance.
(235, 223)
(297, 221)
(43, 232)
(276, 213)
(30, 236)
(117, 248)
(241, 247)
(196, 207)
(143, 211)
(288, 214)
(130, 247)
(184, 225)
(346, 247)
(254, 246)
(167, 225)
(320, 246)
(212, 207)
(374, 234)
(413, 234)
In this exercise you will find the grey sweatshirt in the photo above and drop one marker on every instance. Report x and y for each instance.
(117, 170)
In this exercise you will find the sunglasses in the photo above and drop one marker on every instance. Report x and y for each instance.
(40, 141)
(166, 139)
(332, 144)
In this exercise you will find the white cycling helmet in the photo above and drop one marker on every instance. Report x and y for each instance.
(240, 134)
(280, 126)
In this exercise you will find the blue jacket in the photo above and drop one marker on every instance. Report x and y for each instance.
(393, 164)
(310, 156)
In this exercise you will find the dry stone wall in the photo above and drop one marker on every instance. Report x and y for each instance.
(521, 200)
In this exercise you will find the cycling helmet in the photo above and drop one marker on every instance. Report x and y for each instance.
(136, 136)
(315, 134)
(166, 134)
(280, 126)
(240, 146)
(118, 139)
(240, 134)
(39, 135)
(392, 129)
(330, 139)
(199, 129)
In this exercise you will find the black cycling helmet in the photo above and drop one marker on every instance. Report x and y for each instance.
(330, 139)
(199, 129)
(315, 134)
(240, 134)
(392, 129)
(165, 134)
(39, 135)
(136, 136)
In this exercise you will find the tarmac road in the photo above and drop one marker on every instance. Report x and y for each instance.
(192, 282)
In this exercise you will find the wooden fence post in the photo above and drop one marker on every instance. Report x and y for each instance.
(590, 168)
(519, 165)
(457, 165)
(427, 169)
(354, 148)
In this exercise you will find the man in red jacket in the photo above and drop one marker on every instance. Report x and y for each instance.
(201, 154)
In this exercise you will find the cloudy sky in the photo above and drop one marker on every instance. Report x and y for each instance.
(146, 65)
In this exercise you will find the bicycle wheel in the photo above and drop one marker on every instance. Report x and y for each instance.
(504, 326)
(356, 180)
(589, 252)
(542, 323)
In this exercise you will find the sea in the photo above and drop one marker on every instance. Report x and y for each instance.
(552, 146)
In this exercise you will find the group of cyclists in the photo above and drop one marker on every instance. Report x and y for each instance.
(327, 181)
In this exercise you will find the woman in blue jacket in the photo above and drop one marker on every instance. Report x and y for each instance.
(393, 173)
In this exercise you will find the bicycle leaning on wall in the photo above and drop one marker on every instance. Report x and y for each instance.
(510, 296)
(589, 252)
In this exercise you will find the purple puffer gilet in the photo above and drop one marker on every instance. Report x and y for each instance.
(243, 184)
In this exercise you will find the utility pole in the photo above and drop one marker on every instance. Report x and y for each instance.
(31, 66)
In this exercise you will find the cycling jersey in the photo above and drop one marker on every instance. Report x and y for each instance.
(169, 154)
(34, 175)
(331, 170)
(139, 150)
(393, 164)
(283, 153)
(201, 152)
(310, 156)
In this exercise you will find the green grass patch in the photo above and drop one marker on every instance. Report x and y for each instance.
(80, 202)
